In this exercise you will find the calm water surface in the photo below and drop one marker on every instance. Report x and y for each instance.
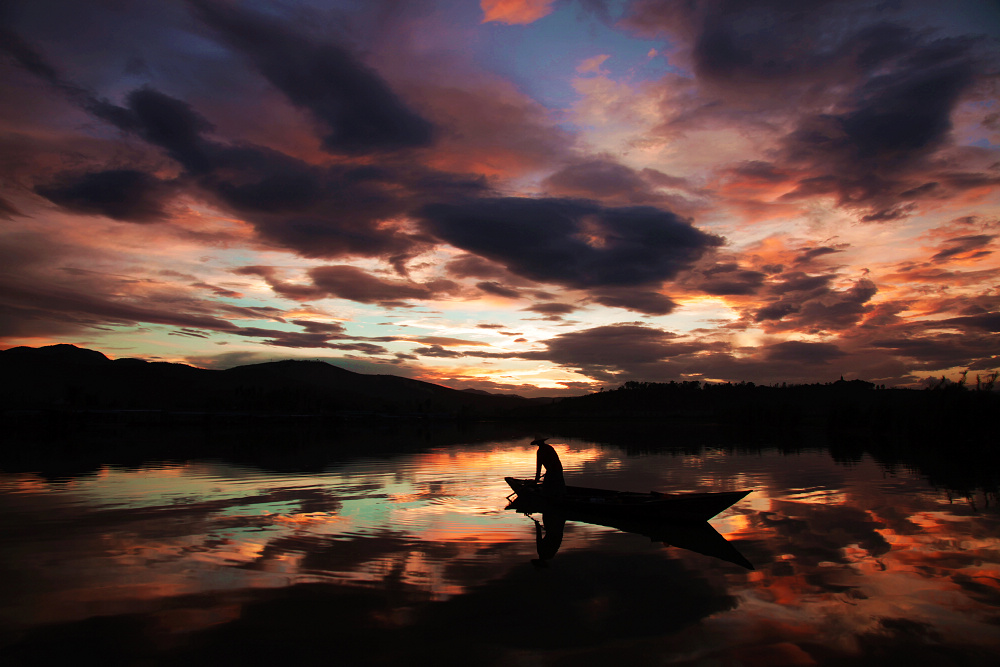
(414, 557)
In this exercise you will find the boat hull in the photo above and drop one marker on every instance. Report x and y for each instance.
(607, 503)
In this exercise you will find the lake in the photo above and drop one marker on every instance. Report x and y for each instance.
(410, 556)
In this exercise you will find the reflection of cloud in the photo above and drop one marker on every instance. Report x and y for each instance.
(848, 559)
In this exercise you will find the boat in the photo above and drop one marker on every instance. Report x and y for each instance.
(676, 520)
(677, 507)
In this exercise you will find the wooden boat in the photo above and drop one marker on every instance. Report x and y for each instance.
(676, 520)
(607, 503)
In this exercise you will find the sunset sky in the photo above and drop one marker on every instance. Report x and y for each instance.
(540, 196)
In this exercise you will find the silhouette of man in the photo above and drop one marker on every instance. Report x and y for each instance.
(554, 484)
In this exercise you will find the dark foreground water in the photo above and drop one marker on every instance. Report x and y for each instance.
(412, 559)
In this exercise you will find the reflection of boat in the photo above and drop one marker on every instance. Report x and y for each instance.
(606, 503)
(661, 525)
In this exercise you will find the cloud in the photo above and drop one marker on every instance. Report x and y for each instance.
(360, 112)
(552, 308)
(349, 282)
(924, 349)
(515, 12)
(803, 352)
(809, 254)
(725, 279)
(807, 303)
(986, 321)
(868, 154)
(603, 351)
(471, 266)
(860, 102)
(8, 210)
(82, 302)
(592, 65)
(641, 301)
(496, 289)
(316, 211)
(121, 194)
(602, 179)
(971, 247)
(488, 126)
(570, 242)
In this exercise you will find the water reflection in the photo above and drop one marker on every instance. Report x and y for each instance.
(205, 560)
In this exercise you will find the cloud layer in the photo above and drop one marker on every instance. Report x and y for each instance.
(586, 194)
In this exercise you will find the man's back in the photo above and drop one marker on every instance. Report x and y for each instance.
(548, 458)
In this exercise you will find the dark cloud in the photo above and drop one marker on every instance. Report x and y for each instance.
(26, 56)
(890, 213)
(602, 179)
(809, 254)
(574, 243)
(926, 349)
(605, 180)
(870, 154)
(89, 301)
(471, 266)
(803, 352)
(218, 291)
(441, 352)
(121, 194)
(8, 210)
(808, 304)
(775, 311)
(727, 278)
(985, 321)
(640, 301)
(603, 351)
(871, 97)
(551, 308)
(901, 114)
(438, 352)
(965, 245)
(800, 282)
(316, 211)
(360, 111)
(352, 283)
(497, 289)
(348, 282)
(756, 170)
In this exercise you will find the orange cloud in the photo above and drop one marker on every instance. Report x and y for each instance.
(515, 12)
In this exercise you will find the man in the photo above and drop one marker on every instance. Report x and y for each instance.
(546, 457)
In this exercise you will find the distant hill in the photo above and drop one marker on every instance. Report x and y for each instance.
(70, 377)
(67, 378)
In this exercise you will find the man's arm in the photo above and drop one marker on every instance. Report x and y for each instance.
(538, 464)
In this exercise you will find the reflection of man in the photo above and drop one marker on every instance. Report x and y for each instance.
(546, 457)
(548, 543)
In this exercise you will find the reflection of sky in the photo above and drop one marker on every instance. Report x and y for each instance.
(844, 554)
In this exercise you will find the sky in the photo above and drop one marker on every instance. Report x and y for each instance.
(545, 197)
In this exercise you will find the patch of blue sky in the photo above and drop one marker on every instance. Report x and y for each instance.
(542, 58)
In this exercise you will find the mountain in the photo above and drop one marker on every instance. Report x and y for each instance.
(70, 377)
